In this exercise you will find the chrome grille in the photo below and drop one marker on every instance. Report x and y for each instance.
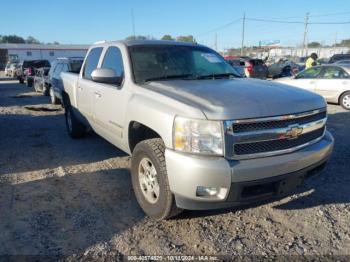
(275, 145)
(247, 127)
(252, 138)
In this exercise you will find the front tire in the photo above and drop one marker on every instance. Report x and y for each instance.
(344, 100)
(75, 129)
(150, 180)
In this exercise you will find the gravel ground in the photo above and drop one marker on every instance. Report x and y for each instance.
(73, 198)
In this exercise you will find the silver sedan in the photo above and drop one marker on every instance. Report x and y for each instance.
(330, 81)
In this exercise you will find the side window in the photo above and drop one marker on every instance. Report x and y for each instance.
(334, 73)
(92, 62)
(58, 68)
(65, 68)
(113, 60)
(312, 72)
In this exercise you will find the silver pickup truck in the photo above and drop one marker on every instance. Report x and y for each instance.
(200, 136)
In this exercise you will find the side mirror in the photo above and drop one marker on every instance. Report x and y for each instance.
(106, 76)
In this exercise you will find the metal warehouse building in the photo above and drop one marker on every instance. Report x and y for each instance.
(21, 52)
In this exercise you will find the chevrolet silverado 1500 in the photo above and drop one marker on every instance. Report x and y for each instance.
(200, 136)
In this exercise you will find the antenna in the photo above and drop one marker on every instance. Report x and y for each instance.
(133, 23)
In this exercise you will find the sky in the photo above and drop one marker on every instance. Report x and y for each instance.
(88, 21)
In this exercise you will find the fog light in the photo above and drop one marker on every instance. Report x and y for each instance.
(211, 192)
(206, 191)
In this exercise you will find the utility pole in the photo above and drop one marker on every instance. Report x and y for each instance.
(216, 42)
(305, 45)
(133, 23)
(243, 29)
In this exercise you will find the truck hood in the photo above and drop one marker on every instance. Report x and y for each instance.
(224, 99)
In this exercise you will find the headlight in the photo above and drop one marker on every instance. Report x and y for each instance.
(198, 136)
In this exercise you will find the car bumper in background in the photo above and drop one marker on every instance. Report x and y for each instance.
(245, 181)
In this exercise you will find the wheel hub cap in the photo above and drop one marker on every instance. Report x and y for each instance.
(148, 180)
(346, 101)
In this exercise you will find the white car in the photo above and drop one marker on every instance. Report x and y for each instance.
(330, 81)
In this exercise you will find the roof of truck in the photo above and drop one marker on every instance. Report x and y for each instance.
(148, 42)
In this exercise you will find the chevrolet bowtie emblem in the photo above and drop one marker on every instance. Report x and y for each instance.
(294, 132)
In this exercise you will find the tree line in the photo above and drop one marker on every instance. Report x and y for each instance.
(15, 39)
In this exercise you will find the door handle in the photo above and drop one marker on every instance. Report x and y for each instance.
(345, 82)
(312, 82)
(97, 94)
(80, 88)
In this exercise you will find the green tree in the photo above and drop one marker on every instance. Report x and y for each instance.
(314, 44)
(138, 37)
(186, 38)
(345, 42)
(32, 40)
(12, 39)
(167, 37)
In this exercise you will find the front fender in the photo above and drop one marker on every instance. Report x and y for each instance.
(158, 113)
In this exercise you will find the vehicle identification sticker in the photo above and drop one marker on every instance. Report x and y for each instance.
(211, 58)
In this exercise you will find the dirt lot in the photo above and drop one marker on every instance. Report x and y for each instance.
(73, 198)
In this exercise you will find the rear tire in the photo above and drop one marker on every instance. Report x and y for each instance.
(46, 90)
(21, 81)
(344, 100)
(151, 188)
(75, 128)
(29, 83)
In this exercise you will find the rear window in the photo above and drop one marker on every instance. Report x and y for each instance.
(236, 62)
(75, 66)
(339, 57)
(257, 62)
(27, 64)
(41, 63)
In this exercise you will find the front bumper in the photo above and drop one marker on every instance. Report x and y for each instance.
(243, 181)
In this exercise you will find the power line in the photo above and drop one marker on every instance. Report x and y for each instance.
(296, 22)
(219, 28)
(331, 14)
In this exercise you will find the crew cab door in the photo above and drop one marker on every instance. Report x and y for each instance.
(307, 79)
(85, 85)
(110, 100)
(333, 81)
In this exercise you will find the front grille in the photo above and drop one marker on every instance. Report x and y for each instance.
(276, 145)
(249, 127)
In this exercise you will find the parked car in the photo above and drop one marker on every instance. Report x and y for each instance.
(343, 62)
(251, 67)
(200, 138)
(338, 57)
(59, 65)
(10, 69)
(27, 71)
(330, 81)
(283, 68)
(7, 67)
(238, 64)
(40, 80)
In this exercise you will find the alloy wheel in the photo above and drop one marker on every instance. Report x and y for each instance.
(148, 180)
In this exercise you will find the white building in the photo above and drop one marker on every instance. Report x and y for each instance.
(21, 52)
(322, 52)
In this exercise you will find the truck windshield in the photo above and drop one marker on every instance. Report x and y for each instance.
(169, 62)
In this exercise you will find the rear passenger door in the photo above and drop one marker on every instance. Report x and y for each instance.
(85, 85)
(333, 81)
(110, 100)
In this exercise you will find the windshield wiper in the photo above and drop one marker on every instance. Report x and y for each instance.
(216, 76)
(168, 77)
